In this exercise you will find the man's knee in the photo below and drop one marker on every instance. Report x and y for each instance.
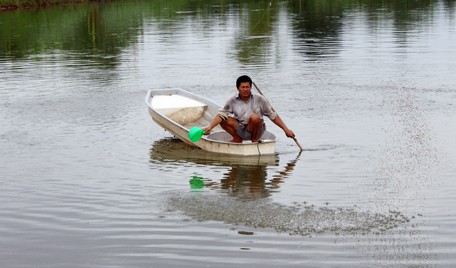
(255, 120)
(230, 122)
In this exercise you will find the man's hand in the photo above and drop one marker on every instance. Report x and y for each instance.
(289, 133)
(207, 130)
(215, 122)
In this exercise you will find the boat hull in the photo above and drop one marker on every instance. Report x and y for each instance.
(171, 149)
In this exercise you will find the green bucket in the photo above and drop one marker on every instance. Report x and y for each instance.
(195, 134)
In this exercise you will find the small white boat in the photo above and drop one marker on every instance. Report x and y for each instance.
(177, 110)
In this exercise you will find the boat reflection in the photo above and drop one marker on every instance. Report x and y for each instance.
(247, 177)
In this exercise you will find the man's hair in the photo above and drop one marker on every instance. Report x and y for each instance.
(243, 79)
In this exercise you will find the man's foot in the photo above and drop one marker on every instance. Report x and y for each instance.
(236, 140)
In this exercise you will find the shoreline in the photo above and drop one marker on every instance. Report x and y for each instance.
(10, 6)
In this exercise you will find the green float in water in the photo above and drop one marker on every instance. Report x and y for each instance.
(196, 182)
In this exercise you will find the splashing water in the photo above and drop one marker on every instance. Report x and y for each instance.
(295, 220)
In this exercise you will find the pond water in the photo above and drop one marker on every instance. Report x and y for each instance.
(87, 179)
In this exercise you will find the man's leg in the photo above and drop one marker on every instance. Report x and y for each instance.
(255, 126)
(230, 125)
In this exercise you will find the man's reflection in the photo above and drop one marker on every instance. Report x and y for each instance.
(251, 182)
(246, 182)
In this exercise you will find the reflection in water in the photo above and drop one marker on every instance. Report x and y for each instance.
(247, 177)
(251, 207)
(246, 182)
(250, 182)
(317, 33)
(93, 32)
(103, 30)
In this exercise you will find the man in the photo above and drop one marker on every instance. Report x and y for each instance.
(242, 115)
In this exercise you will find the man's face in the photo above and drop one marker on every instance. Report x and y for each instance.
(244, 90)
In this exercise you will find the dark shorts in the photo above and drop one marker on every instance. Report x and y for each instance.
(244, 134)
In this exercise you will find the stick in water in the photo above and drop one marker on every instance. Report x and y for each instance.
(258, 89)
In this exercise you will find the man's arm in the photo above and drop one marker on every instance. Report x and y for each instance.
(282, 125)
(269, 112)
(221, 116)
(215, 122)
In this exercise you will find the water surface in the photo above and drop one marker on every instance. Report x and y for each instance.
(88, 180)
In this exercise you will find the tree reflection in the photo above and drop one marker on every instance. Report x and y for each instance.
(317, 26)
(95, 32)
(254, 36)
(100, 31)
